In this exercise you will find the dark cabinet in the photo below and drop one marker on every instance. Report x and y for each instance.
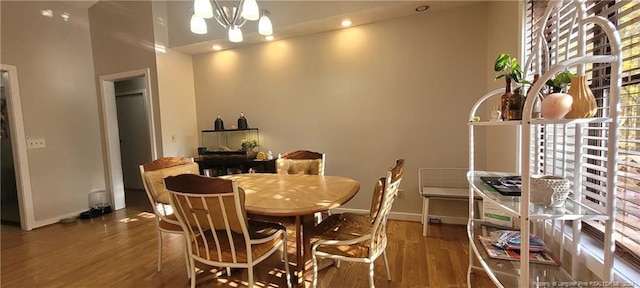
(218, 166)
(231, 152)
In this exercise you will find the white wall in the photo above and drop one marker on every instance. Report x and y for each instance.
(504, 31)
(176, 91)
(123, 40)
(365, 96)
(59, 103)
(55, 63)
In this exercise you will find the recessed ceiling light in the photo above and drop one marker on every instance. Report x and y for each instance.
(268, 38)
(46, 13)
(346, 23)
(422, 8)
(216, 47)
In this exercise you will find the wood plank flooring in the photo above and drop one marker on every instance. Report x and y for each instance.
(120, 250)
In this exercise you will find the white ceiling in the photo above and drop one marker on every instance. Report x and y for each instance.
(290, 19)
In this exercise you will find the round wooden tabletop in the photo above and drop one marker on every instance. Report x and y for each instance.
(293, 194)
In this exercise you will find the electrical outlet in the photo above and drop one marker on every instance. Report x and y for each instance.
(36, 143)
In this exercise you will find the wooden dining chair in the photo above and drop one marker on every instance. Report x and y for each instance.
(359, 238)
(301, 162)
(153, 174)
(212, 212)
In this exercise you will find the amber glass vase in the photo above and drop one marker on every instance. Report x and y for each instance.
(516, 102)
(504, 100)
(584, 104)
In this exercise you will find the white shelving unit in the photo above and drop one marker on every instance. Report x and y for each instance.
(546, 149)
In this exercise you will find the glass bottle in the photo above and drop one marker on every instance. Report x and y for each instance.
(496, 114)
(515, 104)
(504, 100)
(218, 125)
(242, 122)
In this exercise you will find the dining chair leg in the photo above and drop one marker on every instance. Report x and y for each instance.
(250, 277)
(186, 258)
(386, 265)
(314, 259)
(159, 250)
(286, 260)
(228, 271)
(371, 284)
(193, 272)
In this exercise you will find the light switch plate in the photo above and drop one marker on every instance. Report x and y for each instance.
(36, 143)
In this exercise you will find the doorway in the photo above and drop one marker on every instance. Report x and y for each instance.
(129, 131)
(16, 181)
(10, 210)
(132, 122)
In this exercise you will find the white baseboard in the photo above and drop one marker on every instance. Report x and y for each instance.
(392, 215)
(45, 222)
(408, 216)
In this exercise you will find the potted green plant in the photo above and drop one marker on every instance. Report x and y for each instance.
(249, 144)
(509, 69)
(560, 81)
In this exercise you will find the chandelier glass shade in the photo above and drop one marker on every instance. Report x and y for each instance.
(230, 17)
(198, 25)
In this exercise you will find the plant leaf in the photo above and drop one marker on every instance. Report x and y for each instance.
(501, 62)
(517, 77)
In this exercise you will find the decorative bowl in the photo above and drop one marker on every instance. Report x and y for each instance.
(549, 190)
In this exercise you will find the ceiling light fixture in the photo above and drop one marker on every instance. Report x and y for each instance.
(346, 23)
(230, 17)
(216, 47)
(47, 13)
(269, 38)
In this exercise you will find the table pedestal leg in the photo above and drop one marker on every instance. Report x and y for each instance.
(299, 270)
(303, 246)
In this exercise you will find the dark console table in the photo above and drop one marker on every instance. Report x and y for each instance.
(228, 164)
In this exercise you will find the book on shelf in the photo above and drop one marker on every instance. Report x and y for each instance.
(508, 239)
(540, 257)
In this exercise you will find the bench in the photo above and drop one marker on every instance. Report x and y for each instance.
(441, 183)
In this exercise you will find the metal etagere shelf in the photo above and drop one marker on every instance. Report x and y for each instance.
(536, 153)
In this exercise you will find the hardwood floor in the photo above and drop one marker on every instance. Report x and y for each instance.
(120, 250)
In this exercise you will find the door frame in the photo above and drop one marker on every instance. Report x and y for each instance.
(111, 138)
(19, 145)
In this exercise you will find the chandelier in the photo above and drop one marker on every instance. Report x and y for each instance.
(230, 17)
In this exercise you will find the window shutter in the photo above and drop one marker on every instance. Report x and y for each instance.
(551, 139)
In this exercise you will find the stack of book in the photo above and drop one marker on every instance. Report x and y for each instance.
(505, 244)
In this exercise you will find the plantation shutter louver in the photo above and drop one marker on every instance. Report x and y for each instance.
(552, 139)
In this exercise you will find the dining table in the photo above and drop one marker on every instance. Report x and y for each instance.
(294, 198)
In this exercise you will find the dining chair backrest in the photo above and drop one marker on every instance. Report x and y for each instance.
(153, 174)
(301, 162)
(212, 212)
(390, 192)
(376, 200)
